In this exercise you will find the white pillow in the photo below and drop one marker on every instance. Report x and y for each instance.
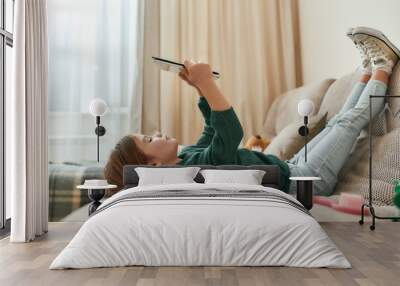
(248, 177)
(165, 176)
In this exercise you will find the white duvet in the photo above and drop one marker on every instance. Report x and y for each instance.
(200, 231)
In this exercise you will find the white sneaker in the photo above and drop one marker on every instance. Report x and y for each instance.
(365, 59)
(383, 54)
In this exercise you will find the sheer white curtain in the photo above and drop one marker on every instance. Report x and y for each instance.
(95, 49)
(27, 123)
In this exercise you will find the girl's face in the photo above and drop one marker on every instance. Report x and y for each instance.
(159, 148)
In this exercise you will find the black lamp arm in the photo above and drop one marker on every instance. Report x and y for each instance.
(304, 131)
(100, 131)
(305, 120)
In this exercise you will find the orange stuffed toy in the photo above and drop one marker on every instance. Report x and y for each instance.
(257, 143)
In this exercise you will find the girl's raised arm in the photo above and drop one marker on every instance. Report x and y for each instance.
(200, 76)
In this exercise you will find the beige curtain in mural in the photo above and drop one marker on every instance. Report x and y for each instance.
(254, 44)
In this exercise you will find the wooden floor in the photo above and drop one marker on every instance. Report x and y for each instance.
(375, 257)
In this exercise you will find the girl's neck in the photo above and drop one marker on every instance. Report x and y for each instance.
(174, 161)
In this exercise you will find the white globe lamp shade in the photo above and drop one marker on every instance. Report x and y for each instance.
(98, 107)
(305, 107)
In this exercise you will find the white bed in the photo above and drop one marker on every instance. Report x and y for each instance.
(184, 230)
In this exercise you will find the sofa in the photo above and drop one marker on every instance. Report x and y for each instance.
(328, 96)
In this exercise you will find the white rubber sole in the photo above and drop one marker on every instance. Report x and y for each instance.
(377, 34)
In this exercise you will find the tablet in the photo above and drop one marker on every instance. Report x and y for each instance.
(173, 66)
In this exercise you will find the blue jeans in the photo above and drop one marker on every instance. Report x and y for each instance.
(329, 150)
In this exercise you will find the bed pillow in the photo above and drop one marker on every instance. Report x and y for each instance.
(248, 177)
(164, 176)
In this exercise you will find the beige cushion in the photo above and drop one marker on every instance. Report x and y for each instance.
(289, 142)
(337, 94)
(268, 130)
(284, 109)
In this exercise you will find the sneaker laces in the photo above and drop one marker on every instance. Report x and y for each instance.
(373, 50)
(362, 50)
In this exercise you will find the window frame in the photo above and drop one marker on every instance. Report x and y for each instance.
(6, 39)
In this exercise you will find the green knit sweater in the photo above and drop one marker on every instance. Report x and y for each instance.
(218, 144)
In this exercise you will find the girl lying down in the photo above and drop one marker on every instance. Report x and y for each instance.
(218, 144)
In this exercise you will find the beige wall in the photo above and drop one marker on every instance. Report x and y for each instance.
(326, 51)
